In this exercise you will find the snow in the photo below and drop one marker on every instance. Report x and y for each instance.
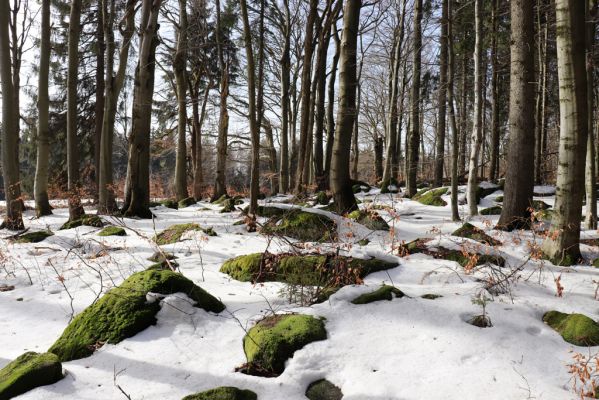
(408, 348)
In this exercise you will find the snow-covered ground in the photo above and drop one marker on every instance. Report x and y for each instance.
(408, 348)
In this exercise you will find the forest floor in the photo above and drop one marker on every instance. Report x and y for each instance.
(409, 348)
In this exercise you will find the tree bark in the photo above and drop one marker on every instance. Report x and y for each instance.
(179, 69)
(441, 100)
(285, 77)
(455, 146)
(100, 92)
(591, 175)
(343, 196)
(562, 244)
(494, 162)
(519, 178)
(330, 108)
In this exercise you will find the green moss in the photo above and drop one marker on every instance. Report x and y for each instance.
(432, 197)
(385, 292)
(223, 393)
(34, 237)
(499, 199)
(113, 231)
(268, 211)
(431, 296)
(313, 270)
(170, 203)
(539, 205)
(370, 219)
(323, 390)
(495, 210)
(28, 371)
(302, 225)
(173, 233)
(124, 311)
(389, 182)
(189, 201)
(274, 339)
(161, 256)
(221, 199)
(577, 329)
(228, 205)
(86, 220)
(472, 232)
(364, 242)
(464, 261)
(596, 263)
(322, 198)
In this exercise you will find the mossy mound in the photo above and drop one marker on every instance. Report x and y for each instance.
(389, 186)
(577, 329)
(385, 292)
(322, 198)
(495, 210)
(125, 311)
(27, 372)
(268, 211)
(358, 188)
(34, 237)
(274, 339)
(370, 219)
(302, 225)
(311, 269)
(323, 390)
(441, 253)
(161, 256)
(539, 205)
(223, 393)
(86, 220)
(472, 232)
(431, 296)
(186, 202)
(173, 233)
(113, 231)
(482, 192)
(499, 199)
(169, 203)
(432, 197)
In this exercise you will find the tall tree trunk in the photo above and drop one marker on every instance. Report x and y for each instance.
(10, 129)
(272, 154)
(42, 204)
(114, 85)
(220, 183)
(494, 162)
(74, 184)
(591, 175)
(303, 159)
(179, 69)
(455, 146)
(541, 95)
(562, 244)
(519, 178)
(285, 77)
(137, 200)
(331, 107)
(355, 130)
(100, 89)
(198, 122)
(463, 116)
(343, 196)
(477, 129)
(441, 100)
(414, 133)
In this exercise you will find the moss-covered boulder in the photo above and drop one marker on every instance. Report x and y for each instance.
(577, 329)
(322, 198)
(310, 269)
(113, 231)
(302, 225)
(34, 237)
(86, 220)
(385, 292)
(472, 232)
(173, 233)
(161, 256)
(389, 186)
(168, 203)
(186, 202)
(495, 210)
(125, 311)
(27, 372)
(432, 197)
(370, 219)
(465, 259)
(484, 191)
(323, 390)
(273, 340)
(223, 393)
(499, 199)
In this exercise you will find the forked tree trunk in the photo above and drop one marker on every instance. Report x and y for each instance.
(74, 185)
(477, 129)
(42, 204)
(10, 130)
(179, 69)
(519, 178)
(562, 243)
(343, 195)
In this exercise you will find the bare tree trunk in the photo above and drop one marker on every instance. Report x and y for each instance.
(330, 109)
(591, 175)
(494, 162)
(455, 147)
(10, 129)
(285, 77)
(179, 69)
(414, 133)
(272, 154)
(463, 116)
(343, 196)
(355, 130)
(137, 200)
(220, 183)
(519, 179)
(42, 204)
(74, 185)
(441, 100)
(100, 89)
(477, 130)
(562, 243)
(114, 85)
(198, 122)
